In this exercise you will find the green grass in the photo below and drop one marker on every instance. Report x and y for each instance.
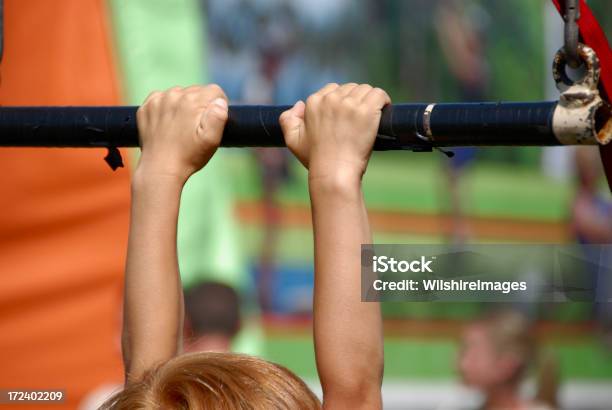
(295, 245)
(434, 359)
(411, 182)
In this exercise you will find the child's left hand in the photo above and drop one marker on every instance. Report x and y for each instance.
(180, 129)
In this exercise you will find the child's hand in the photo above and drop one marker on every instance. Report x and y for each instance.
(180, 129)
(335, 130)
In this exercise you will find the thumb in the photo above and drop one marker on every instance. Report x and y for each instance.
(212, 122)
(292, 123)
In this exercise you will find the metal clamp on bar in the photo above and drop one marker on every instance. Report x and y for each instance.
(582, 116)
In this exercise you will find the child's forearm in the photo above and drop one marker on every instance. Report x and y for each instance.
(153, 311)
(179, 130)
(348, 333)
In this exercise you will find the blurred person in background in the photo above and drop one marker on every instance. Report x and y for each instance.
(270, 52)
(496, 354)
(212, 321)
(591, 220)
(275, 40)
(212, 317)
(461, 30)
(592, 209)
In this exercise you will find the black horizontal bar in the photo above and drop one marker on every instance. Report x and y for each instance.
(402, 126)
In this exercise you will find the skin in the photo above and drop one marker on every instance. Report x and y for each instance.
(484, 367)
(332, 135)
(180, 130)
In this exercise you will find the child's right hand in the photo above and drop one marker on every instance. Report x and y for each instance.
(334, 132)
(180, 129)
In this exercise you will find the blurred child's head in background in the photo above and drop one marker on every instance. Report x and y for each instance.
(212, 316)
(496, 350)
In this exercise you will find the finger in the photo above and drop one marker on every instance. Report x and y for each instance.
(377, 97)
(201, 97)
(152, 96)
(212, 121)
(214, 91)
(174, 89)
(358, 93)
(206, 95)
(327, 89)
(194, 88)
(171, 95)
(147, 112)
(346, 89)
(292, 122)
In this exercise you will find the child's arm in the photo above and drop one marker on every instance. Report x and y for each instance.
(333, 136)
(179, 130)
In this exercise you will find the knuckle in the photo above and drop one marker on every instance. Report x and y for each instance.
(313, 100)
(332, 98)
(187, 99)
(174, 91)
(171, 96)
(193, 88)
(155, 101)
(215, 88)
(379, 91)
(366, 88)
(152, 96)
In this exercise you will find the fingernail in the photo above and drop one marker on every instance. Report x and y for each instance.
(220, 102)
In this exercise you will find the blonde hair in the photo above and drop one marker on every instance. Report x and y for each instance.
(223, 381)
(511, 332)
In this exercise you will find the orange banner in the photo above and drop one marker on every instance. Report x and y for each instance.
(63, 213)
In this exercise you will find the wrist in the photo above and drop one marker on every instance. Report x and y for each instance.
(345, 182)
(151, 170)
(144, 177)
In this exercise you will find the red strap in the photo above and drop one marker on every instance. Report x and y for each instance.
(593, 36)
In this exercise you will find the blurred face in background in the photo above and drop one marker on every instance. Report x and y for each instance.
(481, 363)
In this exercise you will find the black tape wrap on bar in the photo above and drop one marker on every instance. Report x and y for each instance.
(402, 127)
(68, 127)
(508, 124)
(254, 126)
(473, 124)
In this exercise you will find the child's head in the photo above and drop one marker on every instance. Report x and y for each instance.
(222, 381)
(212, 317)
(496, 350)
